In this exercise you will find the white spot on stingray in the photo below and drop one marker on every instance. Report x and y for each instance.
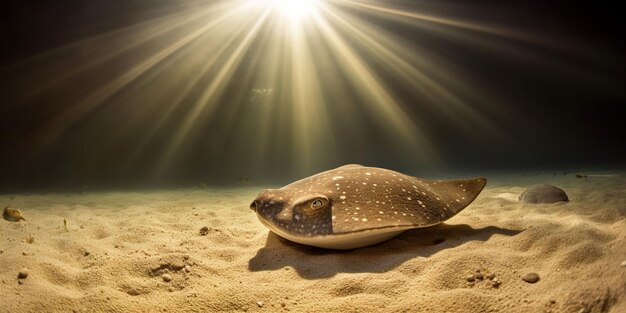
(358, 208)
(334, 217)
(364, 183)
(363, 220)
(420, 202)
(408, 198)
(337, 177)
(381, 212)
(337, 185)
(375, 185)
(297, 217)
(457, 200)
(342, 197)
(378, 219)
(438, 199)
(368, 173)
(272, 201)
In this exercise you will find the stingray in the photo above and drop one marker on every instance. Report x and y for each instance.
(355, 206)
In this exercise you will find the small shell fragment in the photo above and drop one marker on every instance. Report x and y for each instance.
(12, 215)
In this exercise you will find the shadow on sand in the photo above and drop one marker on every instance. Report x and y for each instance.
(314, 263)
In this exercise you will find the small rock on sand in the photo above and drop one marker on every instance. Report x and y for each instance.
(490, 276)
(623, 264)
(166, 278)
(204, 231)
(23, 273)
(543, 194)
(495, 282)
(531, 278)
(479, 276)
(470, 278)
(259, 303)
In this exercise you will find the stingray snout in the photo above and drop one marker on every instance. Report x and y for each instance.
(266, 196)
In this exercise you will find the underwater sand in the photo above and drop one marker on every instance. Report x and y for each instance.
(117, 246)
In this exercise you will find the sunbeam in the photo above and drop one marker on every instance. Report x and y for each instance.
(251, 87)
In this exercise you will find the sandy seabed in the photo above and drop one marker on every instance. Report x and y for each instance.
(117, 248)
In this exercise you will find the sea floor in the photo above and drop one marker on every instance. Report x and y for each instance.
(148, 252)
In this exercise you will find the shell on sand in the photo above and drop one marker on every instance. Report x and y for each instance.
(12, 215)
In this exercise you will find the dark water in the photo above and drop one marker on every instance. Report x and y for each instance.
(122, 94)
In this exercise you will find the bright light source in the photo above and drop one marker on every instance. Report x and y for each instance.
(296, 9)
(292, 9)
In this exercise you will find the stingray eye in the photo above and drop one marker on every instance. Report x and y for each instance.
(317, 204)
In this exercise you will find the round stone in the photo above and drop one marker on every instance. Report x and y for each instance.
(166, 278)
(23, 273)
(543, 194)
(531, 278)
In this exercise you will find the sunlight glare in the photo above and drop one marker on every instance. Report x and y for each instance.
(294, 9)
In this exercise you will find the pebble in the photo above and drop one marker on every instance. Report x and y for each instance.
(623, 264)
(23, 273)
(490, 276)
(495, 282)
(531, 278)
(166, 278)
(187, 269)
(259, 303)
(204, 231)
(543, 194)
(87, 253)
(479, 275)
(470, 278)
